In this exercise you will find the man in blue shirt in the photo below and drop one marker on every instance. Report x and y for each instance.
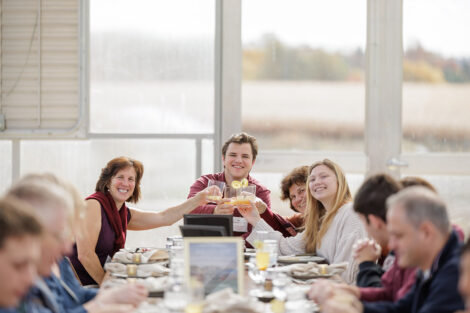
(421, 236)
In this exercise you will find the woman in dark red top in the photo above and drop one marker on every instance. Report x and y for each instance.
(107, 218)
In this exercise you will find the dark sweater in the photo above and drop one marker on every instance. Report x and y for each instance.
(438, 293)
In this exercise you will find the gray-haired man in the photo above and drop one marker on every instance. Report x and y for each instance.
(421, 236)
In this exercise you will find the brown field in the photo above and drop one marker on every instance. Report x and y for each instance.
(314, 115)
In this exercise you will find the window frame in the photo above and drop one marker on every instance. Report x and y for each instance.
(384, 53)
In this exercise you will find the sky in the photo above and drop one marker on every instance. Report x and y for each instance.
(441, 26)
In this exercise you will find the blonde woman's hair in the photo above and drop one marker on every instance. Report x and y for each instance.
(317, 219)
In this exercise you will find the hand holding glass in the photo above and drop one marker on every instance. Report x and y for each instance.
(242, 196)
(214, 196)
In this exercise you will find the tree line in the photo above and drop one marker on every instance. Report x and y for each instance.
(271, 59)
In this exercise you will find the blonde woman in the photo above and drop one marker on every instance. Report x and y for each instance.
(331, 225)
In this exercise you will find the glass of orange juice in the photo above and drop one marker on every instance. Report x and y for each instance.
(246, 195)
(262, 259)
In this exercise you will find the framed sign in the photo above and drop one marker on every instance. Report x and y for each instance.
(217, 262)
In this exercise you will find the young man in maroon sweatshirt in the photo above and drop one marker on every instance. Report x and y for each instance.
(238, 156)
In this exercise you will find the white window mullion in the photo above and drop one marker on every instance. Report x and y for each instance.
(227, 74)
(383, 85)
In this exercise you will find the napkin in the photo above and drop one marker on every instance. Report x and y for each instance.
(122, 256)
(115, 267)
(153, 284)
(156, 283)
(155, 256)
(154, 269)
(143, 270)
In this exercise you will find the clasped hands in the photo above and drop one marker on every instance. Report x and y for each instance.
(366, 250)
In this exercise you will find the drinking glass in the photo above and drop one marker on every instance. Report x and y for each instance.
(175, 297)
(231, 193)
(241, 196)
(246, 195)
(272, 247)
(262, 259)
(195, 296)
(263, 256)
(221, 185)
(260, 236)
(174, 241)
(253, 271)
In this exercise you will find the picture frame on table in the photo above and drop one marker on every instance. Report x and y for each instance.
(217, 262)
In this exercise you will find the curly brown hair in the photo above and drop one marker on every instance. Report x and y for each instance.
(114, 166)
(298, 176)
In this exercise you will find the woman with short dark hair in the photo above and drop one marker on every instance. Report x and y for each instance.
(293, 187)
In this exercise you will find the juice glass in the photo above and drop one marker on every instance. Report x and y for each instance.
(262, 259)
(246, 195)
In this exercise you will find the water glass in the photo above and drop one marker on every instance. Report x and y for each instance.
(175, 297)
(195, 296)
(253, 272)
(271, 246)
(173, 240)
(220, 185)
(177, 269)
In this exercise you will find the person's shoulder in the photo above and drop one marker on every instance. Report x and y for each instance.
(348, 217)
(346, 210)
(92, 204)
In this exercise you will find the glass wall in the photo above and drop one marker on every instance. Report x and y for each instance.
(152, 66)
(169, 170)
(436, 72)
(303, 73)
(152, 71)
(436, 93)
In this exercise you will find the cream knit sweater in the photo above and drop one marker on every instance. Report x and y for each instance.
(336, 245)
